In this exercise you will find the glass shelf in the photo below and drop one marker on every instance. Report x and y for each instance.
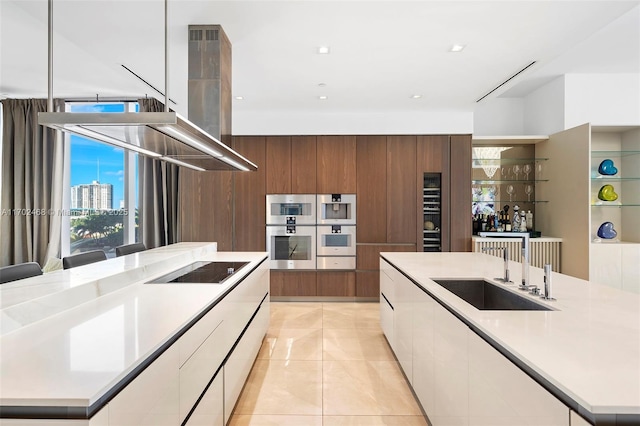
(498, 181)
(505, 161)
(614, 204)
(512, 202)
(603, 178)
(618, 154)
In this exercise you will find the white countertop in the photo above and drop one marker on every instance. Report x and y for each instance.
(589, 347)
(100, 322)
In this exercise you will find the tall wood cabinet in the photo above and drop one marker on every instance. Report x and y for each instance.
(205, 209)
(290, 164)
(336, 165)
(389, 176)
(401, 189)
(249, 196)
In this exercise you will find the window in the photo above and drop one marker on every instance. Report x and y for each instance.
(102, 198)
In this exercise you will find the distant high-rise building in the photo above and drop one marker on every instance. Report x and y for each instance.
(92, 196)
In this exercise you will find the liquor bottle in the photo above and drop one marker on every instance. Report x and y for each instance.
(507, 224)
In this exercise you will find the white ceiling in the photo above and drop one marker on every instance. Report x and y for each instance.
(382, 52)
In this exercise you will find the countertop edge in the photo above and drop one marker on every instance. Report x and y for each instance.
(595, 414)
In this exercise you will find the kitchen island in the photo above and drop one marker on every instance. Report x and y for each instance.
(575, 364)
(97, 345)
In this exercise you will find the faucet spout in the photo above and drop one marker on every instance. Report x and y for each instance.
(524, 236)
(505, 257)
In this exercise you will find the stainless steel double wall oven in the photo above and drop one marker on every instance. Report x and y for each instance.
(309, 231)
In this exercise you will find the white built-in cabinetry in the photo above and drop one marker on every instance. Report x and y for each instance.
(457, 376)
(169, 390)
(574, 212)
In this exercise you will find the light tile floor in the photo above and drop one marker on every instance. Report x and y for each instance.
(326, 364)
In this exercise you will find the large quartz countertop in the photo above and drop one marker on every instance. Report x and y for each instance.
(70, 336)
(588, 347)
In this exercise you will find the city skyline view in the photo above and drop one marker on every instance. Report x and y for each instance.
(95, 161)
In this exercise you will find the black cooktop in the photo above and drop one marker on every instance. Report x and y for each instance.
(201, 273)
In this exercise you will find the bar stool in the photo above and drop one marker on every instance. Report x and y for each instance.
(83, 259)
(129, 248)
(19, 271)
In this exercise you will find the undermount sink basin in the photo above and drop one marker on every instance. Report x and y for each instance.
(489, 297)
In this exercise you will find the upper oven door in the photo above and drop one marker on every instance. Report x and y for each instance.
(337, 209)
(336, 240)
(291, 209)
(292, 247)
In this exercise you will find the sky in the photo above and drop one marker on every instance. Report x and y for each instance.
(91, 160)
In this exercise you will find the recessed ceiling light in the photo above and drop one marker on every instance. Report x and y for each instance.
(415, 96)
(323, 98)
(239, 98)
(323, 50)
(457, 48)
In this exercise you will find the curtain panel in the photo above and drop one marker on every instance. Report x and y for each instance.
(32, 173)
(158, 194)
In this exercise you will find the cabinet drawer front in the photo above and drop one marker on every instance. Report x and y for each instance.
(196, 335)
(196, 372)
(152, 398)
(336, 263)
(210, 409)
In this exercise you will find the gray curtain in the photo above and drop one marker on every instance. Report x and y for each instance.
(32, 169)
(158, 194)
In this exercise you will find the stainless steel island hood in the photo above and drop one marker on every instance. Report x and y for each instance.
(164, 135)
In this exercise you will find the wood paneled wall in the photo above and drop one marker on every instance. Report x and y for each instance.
(386, 173)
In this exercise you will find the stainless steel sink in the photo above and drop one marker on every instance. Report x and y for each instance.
(490, 297)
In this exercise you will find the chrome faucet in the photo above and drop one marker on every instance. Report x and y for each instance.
(547, 283)
(505, 256)
(524, 236)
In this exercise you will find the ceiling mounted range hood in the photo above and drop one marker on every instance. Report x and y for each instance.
(163, 135)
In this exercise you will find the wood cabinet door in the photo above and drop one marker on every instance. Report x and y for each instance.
(303, 165)
(278, 164)
(206, 207)
(293, 283)
(250, 191)
(367, 283)
(368, 255)
(401, 189)
(433, 156)
(460, 200)
(371, 189)
(336, 283)
(336, 165)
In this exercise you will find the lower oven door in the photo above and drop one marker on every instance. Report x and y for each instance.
(292, 247)
(336, 240)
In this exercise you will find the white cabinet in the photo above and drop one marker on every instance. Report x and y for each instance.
(451, 365)
(456, 375)
(210, 409)
(403, 324)
(238, 366)
(386, 307)
(575, 212)
(424, 350)
(181, 380)
(152, 398)
(502, 394)
(199, 368)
